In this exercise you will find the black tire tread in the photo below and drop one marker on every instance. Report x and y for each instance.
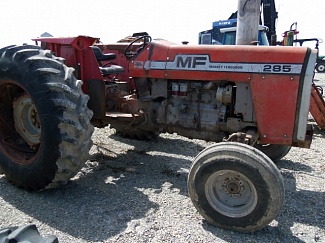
(274, 151)
(73, 123)
(265, 166)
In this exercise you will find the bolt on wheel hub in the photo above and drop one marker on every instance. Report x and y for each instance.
(231, 193)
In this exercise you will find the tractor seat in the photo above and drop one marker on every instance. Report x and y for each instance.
(113, 69)
(100, 56)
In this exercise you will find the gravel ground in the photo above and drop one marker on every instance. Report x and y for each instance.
(135, 191)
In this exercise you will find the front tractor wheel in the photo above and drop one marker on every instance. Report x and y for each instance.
(45, 130)
(235, 187)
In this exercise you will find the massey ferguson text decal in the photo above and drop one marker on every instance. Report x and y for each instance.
(202, 63)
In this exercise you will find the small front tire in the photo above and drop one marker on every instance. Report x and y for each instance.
(236, 187)
(320, 67)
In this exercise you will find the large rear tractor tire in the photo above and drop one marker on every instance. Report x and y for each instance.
(45, 130)
(236, 187)
(274, 151)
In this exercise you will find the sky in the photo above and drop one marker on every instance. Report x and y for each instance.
(173, 20)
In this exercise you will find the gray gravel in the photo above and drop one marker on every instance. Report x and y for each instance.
(135, 191)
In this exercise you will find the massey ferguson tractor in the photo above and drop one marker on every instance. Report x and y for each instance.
(253, 101)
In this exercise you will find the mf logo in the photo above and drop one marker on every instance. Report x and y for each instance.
(191, 61)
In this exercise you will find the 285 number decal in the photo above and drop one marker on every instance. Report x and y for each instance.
(274, 68)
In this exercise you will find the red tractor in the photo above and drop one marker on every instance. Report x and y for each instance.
(253, 101)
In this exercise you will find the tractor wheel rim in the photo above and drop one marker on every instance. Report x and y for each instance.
(231, 193)
(321, 68)
(26, 119)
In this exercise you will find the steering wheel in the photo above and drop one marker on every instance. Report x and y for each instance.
(146, 39)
